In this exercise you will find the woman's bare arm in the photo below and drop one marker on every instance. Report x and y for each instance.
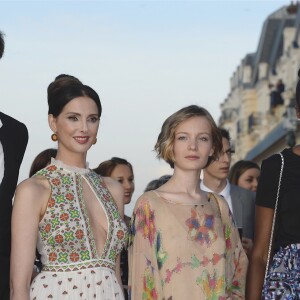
(29, 205)
(258, 258)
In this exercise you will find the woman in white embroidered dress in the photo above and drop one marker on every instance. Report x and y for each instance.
(71, 214)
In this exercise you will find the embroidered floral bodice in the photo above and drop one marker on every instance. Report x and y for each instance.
(66, 241)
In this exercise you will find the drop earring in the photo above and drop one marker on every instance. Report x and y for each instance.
(54, 137)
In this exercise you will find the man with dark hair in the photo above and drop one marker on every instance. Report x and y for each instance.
(13, 142)
(241, 202)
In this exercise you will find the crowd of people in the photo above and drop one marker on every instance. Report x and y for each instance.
(209, 230)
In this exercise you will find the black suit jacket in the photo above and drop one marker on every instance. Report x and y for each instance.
(14, 138)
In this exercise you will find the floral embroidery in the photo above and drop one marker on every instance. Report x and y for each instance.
(55, 222)
(235, 286)
(120, 234)
(51, 241)
(145, 222)
(112, 254)
(161, 255)
(85, 255)
(63, 257)
(194, 264)
(51, 202)
(68, 238)
(52, 256)
(70, 197)
(106, 197)
(64, 217)
(212, 285)
(201, 228)
(149, 291)
(59, 239)
(79, 234)
(66, 180)
(47, 227)
(216, 258)
(178, 267)
(55, 181)
(60, 199)
(74, 213)
(74, 257)
(51, 168)
(227, 233)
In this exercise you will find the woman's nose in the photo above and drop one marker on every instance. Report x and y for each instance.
(84, 126)
(255, 183)
(126, 184)
(192, 145)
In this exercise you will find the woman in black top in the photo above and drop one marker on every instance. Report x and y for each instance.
(283, 281)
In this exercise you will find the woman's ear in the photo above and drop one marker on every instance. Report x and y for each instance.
(52, 123)
(211, 152)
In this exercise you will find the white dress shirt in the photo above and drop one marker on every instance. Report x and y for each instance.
(225, 192)
(1, 159)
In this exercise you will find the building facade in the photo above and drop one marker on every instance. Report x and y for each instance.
(259, 110)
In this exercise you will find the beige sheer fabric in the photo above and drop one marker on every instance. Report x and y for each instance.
(180, 251)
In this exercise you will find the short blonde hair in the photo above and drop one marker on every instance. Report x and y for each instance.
(165, 141)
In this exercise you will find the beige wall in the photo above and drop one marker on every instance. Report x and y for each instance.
(244, 101)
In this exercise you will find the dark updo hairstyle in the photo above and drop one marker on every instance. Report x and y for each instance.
(239, 168)
(67, 76)
(42, 160)
(64, 89)
(106, 167)
(165, 140)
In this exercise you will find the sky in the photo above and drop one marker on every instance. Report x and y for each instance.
(146, 60)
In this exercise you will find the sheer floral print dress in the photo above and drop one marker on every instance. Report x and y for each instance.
(185, 251)
(73, 268)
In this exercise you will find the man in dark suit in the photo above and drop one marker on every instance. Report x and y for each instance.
(241, 202)
(13, 142)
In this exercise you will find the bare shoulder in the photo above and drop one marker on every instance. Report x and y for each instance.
(147, 199)
(33, 188)
(30, 203)
(149, 195)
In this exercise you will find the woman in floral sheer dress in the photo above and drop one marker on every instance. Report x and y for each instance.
(73, 215)
(184, 244)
